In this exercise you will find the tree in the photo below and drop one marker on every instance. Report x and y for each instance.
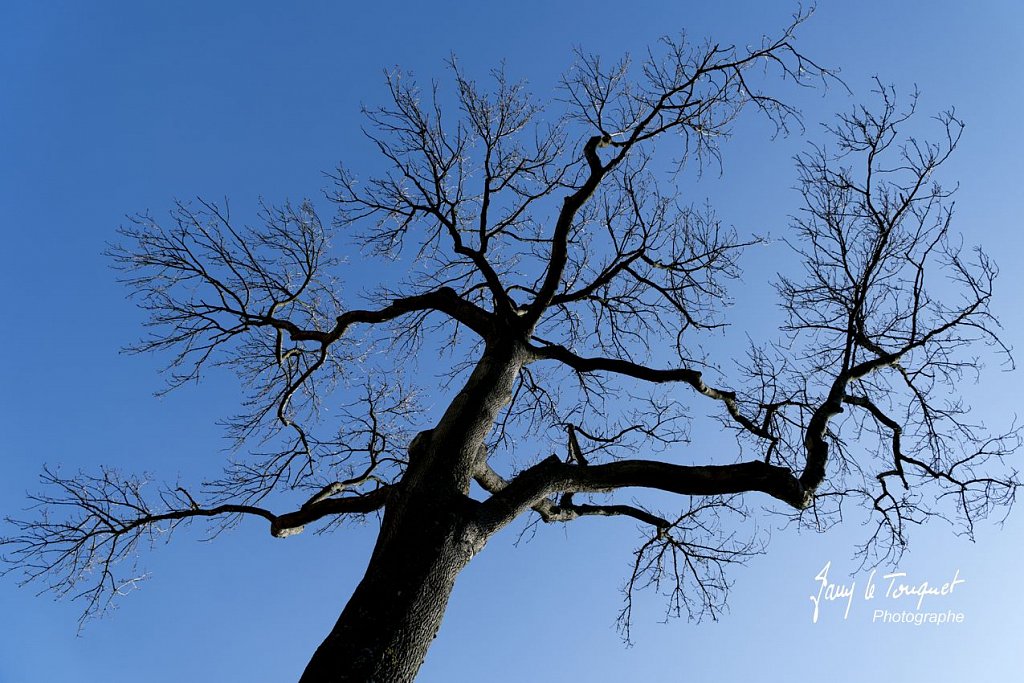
(554, 260)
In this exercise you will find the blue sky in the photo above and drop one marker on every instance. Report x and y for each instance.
(111, 108)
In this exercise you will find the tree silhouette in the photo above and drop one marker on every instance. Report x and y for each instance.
(557, 265)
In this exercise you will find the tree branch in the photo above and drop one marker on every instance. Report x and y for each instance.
(629, 369)
(531, 486)
(90, 524)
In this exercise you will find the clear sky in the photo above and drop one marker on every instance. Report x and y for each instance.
(110, 108)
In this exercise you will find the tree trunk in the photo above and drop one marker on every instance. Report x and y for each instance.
(394, 614)
(428, 535)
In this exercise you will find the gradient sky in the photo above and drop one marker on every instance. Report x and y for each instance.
(112, 108)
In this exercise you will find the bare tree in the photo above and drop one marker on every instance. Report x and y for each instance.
(553, 263)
